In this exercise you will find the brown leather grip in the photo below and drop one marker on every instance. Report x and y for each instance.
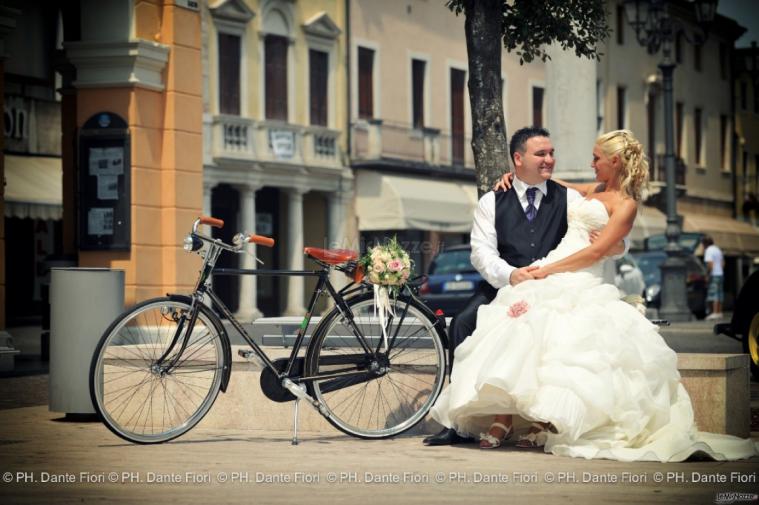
(261, 240)
(211, 221)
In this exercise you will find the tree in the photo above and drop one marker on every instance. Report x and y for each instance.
(527, 26)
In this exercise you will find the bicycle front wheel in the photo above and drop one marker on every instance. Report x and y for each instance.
(377, 392)
(142, 400)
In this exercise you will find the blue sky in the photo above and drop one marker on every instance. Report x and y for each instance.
(746, 13)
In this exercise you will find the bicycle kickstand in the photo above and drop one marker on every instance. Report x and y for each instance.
(295, 423)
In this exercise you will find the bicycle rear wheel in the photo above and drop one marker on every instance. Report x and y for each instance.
(388, 392)
(146, 402)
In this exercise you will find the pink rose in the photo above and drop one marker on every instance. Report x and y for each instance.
(518, 308)
(395, 266)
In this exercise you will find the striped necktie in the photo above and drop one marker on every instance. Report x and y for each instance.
(530, 211)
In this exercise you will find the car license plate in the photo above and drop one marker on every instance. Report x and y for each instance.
(458, 286)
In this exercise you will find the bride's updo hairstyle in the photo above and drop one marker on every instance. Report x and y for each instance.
(633, 176)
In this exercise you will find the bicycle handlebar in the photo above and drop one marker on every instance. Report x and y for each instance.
(261, 240)
(238, 241)
(211, 221)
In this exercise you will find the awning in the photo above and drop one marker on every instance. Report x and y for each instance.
(396, 202)
(649, 221)
(732, 236)
(34, 187)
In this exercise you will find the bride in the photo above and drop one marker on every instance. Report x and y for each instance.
(564, 356)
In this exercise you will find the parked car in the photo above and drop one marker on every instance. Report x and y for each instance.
(649, 263)
(452, 280)
(689, 241)
(744, 324)
(629, 278)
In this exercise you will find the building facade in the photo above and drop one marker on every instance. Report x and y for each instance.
(630, 96)
(274, 88)
(410, 122)
(746, 95)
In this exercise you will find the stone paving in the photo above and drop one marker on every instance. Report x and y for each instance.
(49, 459)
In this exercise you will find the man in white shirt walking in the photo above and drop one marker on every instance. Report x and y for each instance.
(715, 264)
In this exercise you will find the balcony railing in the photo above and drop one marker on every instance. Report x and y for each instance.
(375, 139)
(244, 139)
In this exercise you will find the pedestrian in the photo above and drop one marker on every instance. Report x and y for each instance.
(715, 264)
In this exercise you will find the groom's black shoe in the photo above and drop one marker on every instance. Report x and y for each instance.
(446, 437)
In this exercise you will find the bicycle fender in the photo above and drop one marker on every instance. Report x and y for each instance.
(225, 345)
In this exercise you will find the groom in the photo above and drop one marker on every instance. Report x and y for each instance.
(511, 230)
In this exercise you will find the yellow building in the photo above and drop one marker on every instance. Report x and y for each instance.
(110, 81)
(274, 112)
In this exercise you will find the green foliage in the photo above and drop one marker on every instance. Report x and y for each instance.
(528, 26)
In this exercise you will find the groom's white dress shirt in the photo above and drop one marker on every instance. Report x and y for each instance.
(484, 239)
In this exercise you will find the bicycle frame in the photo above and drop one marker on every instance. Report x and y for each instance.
(323, 284)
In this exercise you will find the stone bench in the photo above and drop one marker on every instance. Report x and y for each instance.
(718, 385)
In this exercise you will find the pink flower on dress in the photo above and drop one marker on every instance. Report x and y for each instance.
(518, 308)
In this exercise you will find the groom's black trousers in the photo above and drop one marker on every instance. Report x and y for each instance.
(464, 322)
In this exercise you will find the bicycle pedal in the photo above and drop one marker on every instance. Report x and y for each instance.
(246, 353)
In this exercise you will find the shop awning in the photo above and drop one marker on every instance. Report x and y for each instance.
(732, 236)
(34, 187)
(649, 221)
(397, 202)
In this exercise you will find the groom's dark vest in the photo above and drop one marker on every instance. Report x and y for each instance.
(520, 242)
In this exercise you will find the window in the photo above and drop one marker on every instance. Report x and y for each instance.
(699, 127)
(318, 68)
(651, 120)
(458, 81)
(537, 106)
(679, 47)
(365, 83)
(417, 92)
(697, 57)
(229, 74)
(723, 61)
(744, 95)
(621, 105)
(678, 129)
(275, 48)
(599, 105)
(723, 141)
(620, 25)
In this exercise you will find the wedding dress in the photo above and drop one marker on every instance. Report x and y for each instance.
(568, 351)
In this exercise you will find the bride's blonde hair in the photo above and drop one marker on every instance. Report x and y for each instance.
(633, 176)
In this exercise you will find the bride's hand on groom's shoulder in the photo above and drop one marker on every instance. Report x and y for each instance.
(504, 183)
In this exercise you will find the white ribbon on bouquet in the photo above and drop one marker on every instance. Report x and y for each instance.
(382, 307)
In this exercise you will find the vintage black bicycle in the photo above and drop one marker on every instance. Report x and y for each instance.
(159, 367)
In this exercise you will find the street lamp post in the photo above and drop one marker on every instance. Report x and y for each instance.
(655, 29)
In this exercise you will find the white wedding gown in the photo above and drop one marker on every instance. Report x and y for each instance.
(582, 359)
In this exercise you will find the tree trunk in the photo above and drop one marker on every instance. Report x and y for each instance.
(483, 43)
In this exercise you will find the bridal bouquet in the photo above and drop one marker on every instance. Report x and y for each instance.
(388, 267)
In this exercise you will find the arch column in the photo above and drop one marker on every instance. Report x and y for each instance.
(248, 306)
(295, 250)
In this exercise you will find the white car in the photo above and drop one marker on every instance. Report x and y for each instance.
(629, 278)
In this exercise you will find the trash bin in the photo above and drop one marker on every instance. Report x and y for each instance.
(83, 302)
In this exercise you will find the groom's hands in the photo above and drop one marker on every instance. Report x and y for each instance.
(522, 274)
